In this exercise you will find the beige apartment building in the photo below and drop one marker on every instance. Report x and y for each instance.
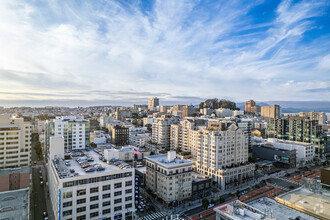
(15, 142)
(153, 103)
(270, 112)
(168, 177)
(161, 129)
(223, 155)
(319, 116)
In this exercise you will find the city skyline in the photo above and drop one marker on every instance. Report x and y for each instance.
(112, 52)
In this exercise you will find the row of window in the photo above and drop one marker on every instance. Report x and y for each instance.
(97, 179)
(95, 214)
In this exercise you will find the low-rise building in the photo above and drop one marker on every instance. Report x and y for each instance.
(201, 186)
(168, 177)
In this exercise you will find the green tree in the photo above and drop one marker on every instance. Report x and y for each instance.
(212, 201)
(38, 149)
(222, 199)
(205, 203)
(237, 194)
(134, 122)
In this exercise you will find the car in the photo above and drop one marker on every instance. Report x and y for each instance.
(141, 210)
(40, 171)
(40, 177)
(100, 168)
(85, 166)
(41, 183)
(34, 162)
(89, 169)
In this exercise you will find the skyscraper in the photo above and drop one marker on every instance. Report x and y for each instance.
(153, 103)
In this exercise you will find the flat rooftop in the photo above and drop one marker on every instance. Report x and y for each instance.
(313, 202)
(162, 160)
(14, 204)
(64, 166)
(196, 177)
(277, 210)
(5, 172)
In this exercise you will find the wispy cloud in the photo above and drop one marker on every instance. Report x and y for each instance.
(131, 50)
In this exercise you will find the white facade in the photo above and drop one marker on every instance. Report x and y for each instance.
(56, 149)
(148, 120)
(238, 112)
(74, 130)
(125, 153)
(15, 142)
(107, 194)
(104, 120)
(223, 112)
(139, 140)
(161, 129)
(305, 152)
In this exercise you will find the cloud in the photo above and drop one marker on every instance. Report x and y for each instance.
(129, 51)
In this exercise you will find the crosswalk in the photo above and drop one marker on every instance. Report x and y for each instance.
(154, 216)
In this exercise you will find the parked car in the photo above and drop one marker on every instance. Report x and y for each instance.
(41, 183)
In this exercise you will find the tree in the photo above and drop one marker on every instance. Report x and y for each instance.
(215, 104)
(237, 193)
(212, 201)
(134, 122)
(38, 149)
(93, 145)
(205, 203)
(194, 114)
(222, 199)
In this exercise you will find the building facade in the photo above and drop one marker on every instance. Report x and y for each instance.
(119, 135)
(107, 194)
(161, 131)
(270, 112)
(153, 103)
(15, 142)
(75, 131)
(248, 106)
(169, 178)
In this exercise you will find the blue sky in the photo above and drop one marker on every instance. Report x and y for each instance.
(111, 52)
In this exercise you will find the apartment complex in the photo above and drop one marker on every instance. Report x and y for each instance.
(223, 155)
(248, 106)
(119, 135)
(168, 177)
(188, 110)
(319, 116)
(270, 112)
(75, 131)
(15, 142)
(153, 103)
(161, 131)
(295, 128)
(102, 192)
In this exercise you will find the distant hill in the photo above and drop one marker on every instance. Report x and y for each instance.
(295, 106)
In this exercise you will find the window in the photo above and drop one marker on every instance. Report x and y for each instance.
(128, 206)
(106, 211)
(107, 203)
(118, 193)
(117, 201)
(94, 190)
(67, 204)
(128, 190)
(94, 206)
(94, 198)
(117, 208)
(129, 198)
(67, 195)
(117, 185)
(81, 192)
(106, 187)
(106, 196)
(94, 214)
(81, 209)
(82, 217)
(66, 213)
(80, 201)
(128, 183)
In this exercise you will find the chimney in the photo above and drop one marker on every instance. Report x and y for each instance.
(171, 156)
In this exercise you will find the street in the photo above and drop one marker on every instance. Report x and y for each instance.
(38, 197)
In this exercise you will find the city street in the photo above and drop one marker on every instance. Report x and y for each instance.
(38, 197)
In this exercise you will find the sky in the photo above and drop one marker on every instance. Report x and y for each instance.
(65, 52)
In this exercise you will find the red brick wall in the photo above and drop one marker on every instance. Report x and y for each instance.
(4, 183)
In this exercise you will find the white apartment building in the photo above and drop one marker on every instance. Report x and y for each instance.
(148, 120)
(15, 142)
(161, 131)
(223, 112)
(223, 155)
(139, 140)
(305, 152)
(168, 177)
(78, 193)
(75, 130)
